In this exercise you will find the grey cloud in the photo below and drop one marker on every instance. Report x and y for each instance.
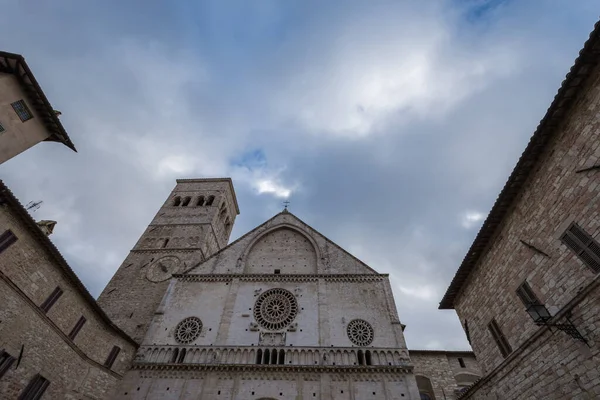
(148, 104)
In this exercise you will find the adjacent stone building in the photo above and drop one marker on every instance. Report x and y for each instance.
(528, 290)
(444, 374)
(55, 340)
(26, 116)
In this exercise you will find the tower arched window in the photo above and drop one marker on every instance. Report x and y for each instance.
(227, 225)
(210, 200)
(176, 201)
(223, 213)
(186, 201)
(165, 243)
(200, 201)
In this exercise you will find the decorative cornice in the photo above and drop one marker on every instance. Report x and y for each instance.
(373, 369)
(282, 277)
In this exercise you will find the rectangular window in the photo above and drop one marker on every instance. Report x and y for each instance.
(22, 110)
(35, 389)
(112, 356)
(6, 239)
(499, 338)
(582, 244)
(461, 362)
(6, 360)
(526, 295)
(54, 296)
(277, 271)
(77, 327)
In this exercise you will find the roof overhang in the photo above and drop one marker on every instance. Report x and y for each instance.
(15, 64)
(588, 59)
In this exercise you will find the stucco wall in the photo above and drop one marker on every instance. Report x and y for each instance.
(18, 136)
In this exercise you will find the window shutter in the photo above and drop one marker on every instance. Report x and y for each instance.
(6, 360)
(6, 239)
(35, 389)
(527, 295)
(583, 245)
(77, 328)
(49, 302)
(499, 338)
(112, 356)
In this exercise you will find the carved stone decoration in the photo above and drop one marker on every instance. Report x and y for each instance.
(271, 339)
(253, 326)
(275, 309)
(163, 268)
(293, 327)
(188, 330)
(360, 332)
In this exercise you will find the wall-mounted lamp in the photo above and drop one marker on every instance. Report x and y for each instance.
(541, 316)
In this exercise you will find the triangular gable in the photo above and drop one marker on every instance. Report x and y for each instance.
(283, 244)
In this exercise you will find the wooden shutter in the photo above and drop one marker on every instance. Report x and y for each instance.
(6, 360)
(112, 356)
(35, 389)
(527, 295)
(77, 327)
(49, 302)
(6, 239)
(583, 245)
(499, 338)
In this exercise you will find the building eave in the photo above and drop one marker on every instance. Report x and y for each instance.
(568, 92)
(7, 198)
(15, 64)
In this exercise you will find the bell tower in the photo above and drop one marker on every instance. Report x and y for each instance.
(194, 223)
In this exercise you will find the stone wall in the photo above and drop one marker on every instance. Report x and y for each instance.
(555, 195)
(29, 272)
(443, 370)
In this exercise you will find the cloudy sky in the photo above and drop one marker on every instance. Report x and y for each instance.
(390, 125)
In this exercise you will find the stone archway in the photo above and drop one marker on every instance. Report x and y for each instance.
(425, 388)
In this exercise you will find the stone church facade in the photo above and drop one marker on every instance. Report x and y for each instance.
(282, 312)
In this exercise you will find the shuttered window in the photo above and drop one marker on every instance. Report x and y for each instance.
(527, 295)
(112, 356)
(49, 302)
(6, 239)
(499, 338)
(77, 327)
(36, 388)
(582, 244)
(6, 360)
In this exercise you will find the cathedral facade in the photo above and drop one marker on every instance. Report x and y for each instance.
(280, 313)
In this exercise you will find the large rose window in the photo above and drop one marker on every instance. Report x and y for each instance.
(275, 309)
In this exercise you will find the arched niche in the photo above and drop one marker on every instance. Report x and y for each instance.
(425, 388)
(283, 249)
